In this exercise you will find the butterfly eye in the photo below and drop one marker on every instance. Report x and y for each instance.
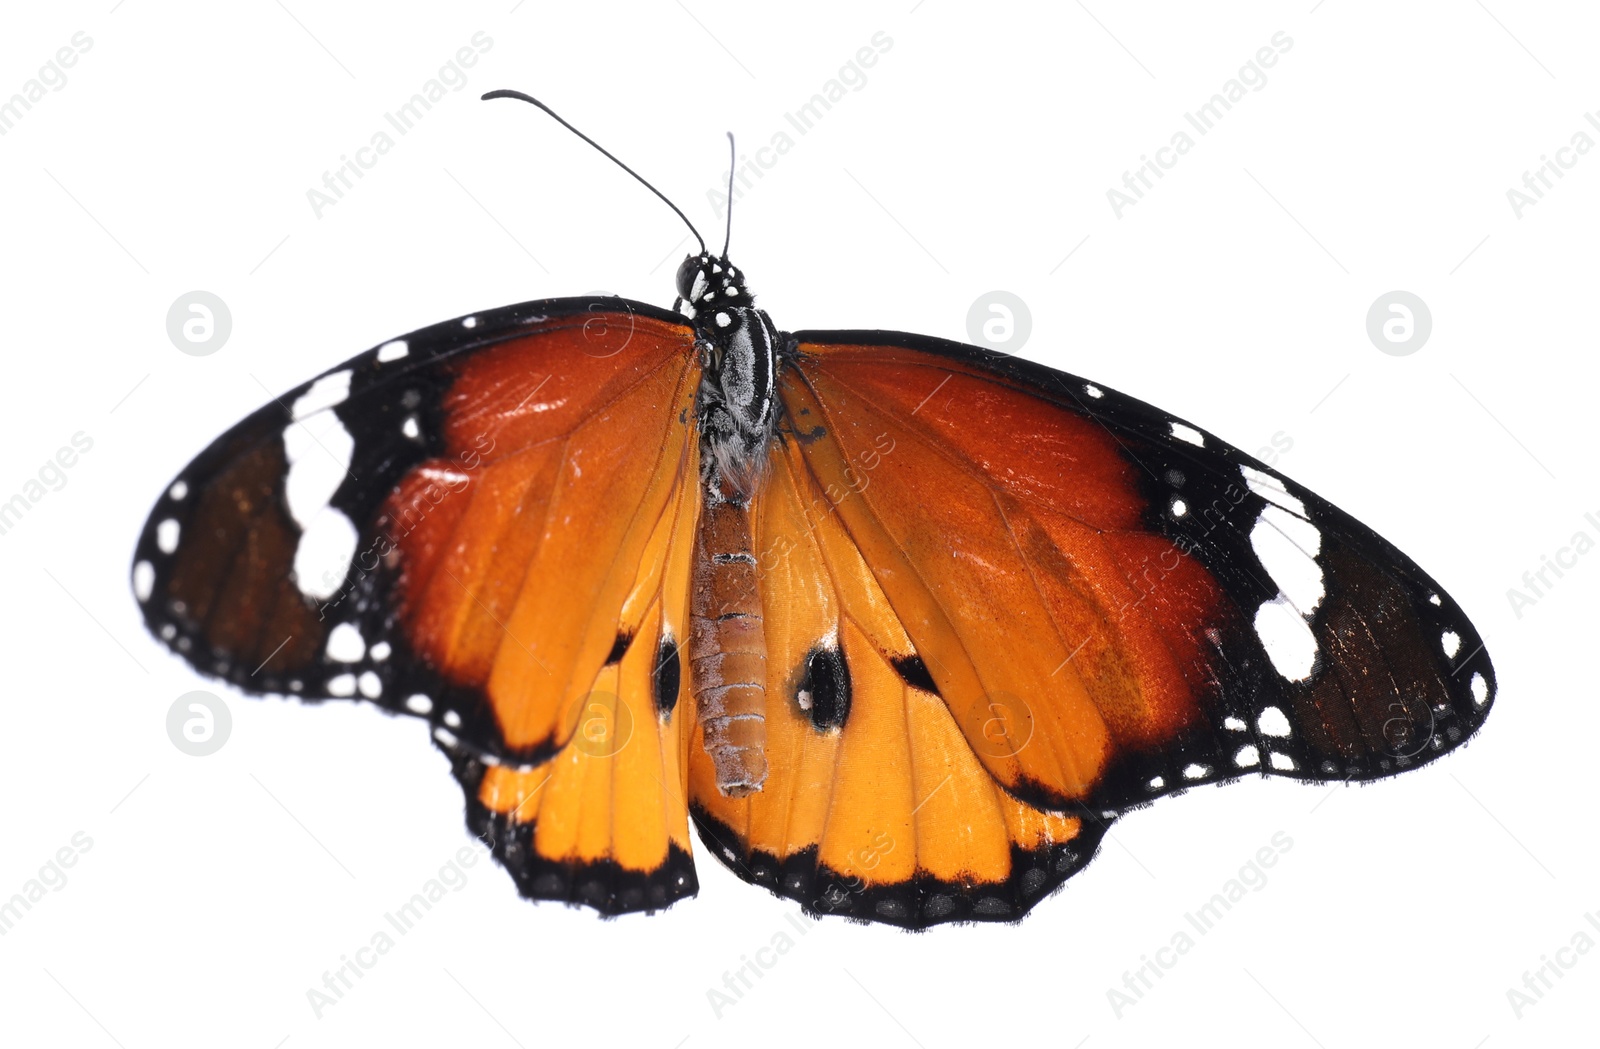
(688, 270)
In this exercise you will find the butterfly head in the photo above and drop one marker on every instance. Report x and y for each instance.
(710, 281)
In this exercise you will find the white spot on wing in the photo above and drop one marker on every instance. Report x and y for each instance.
(470, 322)
(371, 686)
(345, 644)
(1281, 762)
(1188, 433)
(167, 535)
(1288, 640)
(1480, 690)
(178, 490)
(1452, 643)
(1272, 490)
(319, 454)
(1233, 724)
(342, 685)
(1094, 391)
(419, 704)
(1247, 756)
(1195, 772)
(393, 351)
(1272, 722)
(1287, 547)
(144, 580)
(324, 393)
(323, 557)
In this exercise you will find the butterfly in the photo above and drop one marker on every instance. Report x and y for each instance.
(900, 625)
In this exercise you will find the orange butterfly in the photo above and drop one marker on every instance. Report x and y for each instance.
(901, 625)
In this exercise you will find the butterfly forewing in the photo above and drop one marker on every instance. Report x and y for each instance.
(1221, 618)
(471, 524)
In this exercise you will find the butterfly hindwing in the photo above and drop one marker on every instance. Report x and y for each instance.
(602, 821)
(877, 807)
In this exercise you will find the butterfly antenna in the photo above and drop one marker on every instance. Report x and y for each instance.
(728, 237)
(605, 152)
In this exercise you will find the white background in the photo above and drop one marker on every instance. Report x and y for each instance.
(976, 157)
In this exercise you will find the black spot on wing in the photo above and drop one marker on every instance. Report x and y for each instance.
(619, 648)
(914, 672)
(668, 676)
(824, 690)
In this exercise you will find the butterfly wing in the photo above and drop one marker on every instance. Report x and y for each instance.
(481, 524)
(1044, 588)
(877, 805)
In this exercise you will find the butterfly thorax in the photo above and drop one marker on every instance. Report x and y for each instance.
(736, 407)
(736, 417)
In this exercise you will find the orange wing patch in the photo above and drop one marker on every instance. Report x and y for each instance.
(495, 541)
(1025, 580)
(877, 805)
(604, 822)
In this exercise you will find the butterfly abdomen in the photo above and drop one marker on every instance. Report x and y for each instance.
(728, 649)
